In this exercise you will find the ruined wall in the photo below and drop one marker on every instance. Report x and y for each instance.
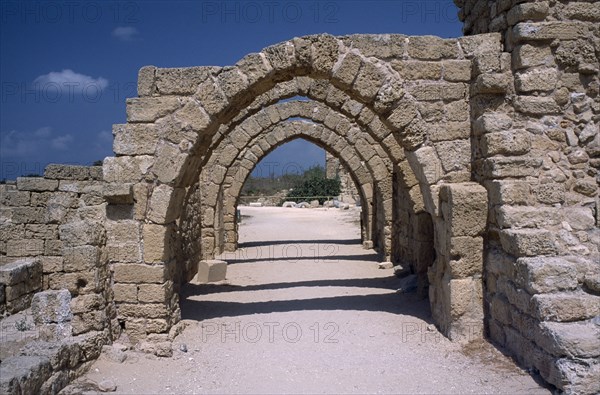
(536, 118)
(333, 168)
(55, 245)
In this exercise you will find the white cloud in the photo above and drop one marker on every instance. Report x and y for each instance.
(17, 144)
(125, 33)
(61, 143)
(68, 79)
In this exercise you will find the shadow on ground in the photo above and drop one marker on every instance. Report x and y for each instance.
(395, 303)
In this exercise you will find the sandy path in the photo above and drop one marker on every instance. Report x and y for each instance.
(307, 311)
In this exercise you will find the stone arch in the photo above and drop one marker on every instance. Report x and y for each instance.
(184, 111)
(349, 135)
(317, 134)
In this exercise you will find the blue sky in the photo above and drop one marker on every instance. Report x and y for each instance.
(66, 68)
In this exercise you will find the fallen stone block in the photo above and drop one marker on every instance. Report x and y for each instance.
(210, 271)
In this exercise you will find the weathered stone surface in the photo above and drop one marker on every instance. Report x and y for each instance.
(464, 208)
(81, 233)
(535, 105)
(562, 307)
(149, 109)
(527, 55)
(51, 307)
(118, 193)
(36, 184)
(139, 273)
(508, 142)
(546, 274)
(528, 31)
(528, 242)
(211, 271)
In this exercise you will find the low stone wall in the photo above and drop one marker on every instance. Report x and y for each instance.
(53, 240)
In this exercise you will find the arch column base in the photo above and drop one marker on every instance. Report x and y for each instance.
(455, 278)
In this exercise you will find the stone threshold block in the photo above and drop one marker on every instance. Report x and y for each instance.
(210, 271)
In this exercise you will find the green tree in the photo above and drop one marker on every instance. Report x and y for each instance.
(315, 185)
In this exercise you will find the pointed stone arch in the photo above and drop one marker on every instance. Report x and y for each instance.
(183, 114)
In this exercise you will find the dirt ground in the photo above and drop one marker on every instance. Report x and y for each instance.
(306, 310)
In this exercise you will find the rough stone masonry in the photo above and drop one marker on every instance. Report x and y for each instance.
(476, 160)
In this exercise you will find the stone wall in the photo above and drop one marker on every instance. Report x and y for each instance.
(53, 234)
(536, 120)
(334, 169)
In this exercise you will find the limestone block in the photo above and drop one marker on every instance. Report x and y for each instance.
(449, 130)
(181, 81)
(68, 172)
(419, 70)
(122, 252)
(146, 81)
(86, 303)
(19, 271)
(536, 80)
(528, 11)
(454, 155)
(463, 297)
(165, 204)
(51, 307)
(402, 115)
(584, 11)
(368, 80)
(158, 243)
(280, 56)
(231, 81)
(81, 258)
(210, 271)
(79, 233)
(501, 167)
(126, 168)
(36, 184)
(125, 292)
(149, 109)
(508, 142)
(255, 66)
(39, 231)
(526, 217)
(428, 168)
(139, 273)
(534, 31)
(134, 139)
(580, 218)
(211, 97)
(466, 256)
(155, 293)
(24, 247)
(14, 198)
(492, 122)
(566, 306)
(431, 48)
(24, 374)
(464, 207)
(536, 105)
(324, 53)
(494, 83)
(169, 161)
(154, 310)
(438, 91)
(52, 264)
(457, 70)
(527, 55)
(550, 193)
(118, 193)
(545, 274)
(528, 242)
(413, 135)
